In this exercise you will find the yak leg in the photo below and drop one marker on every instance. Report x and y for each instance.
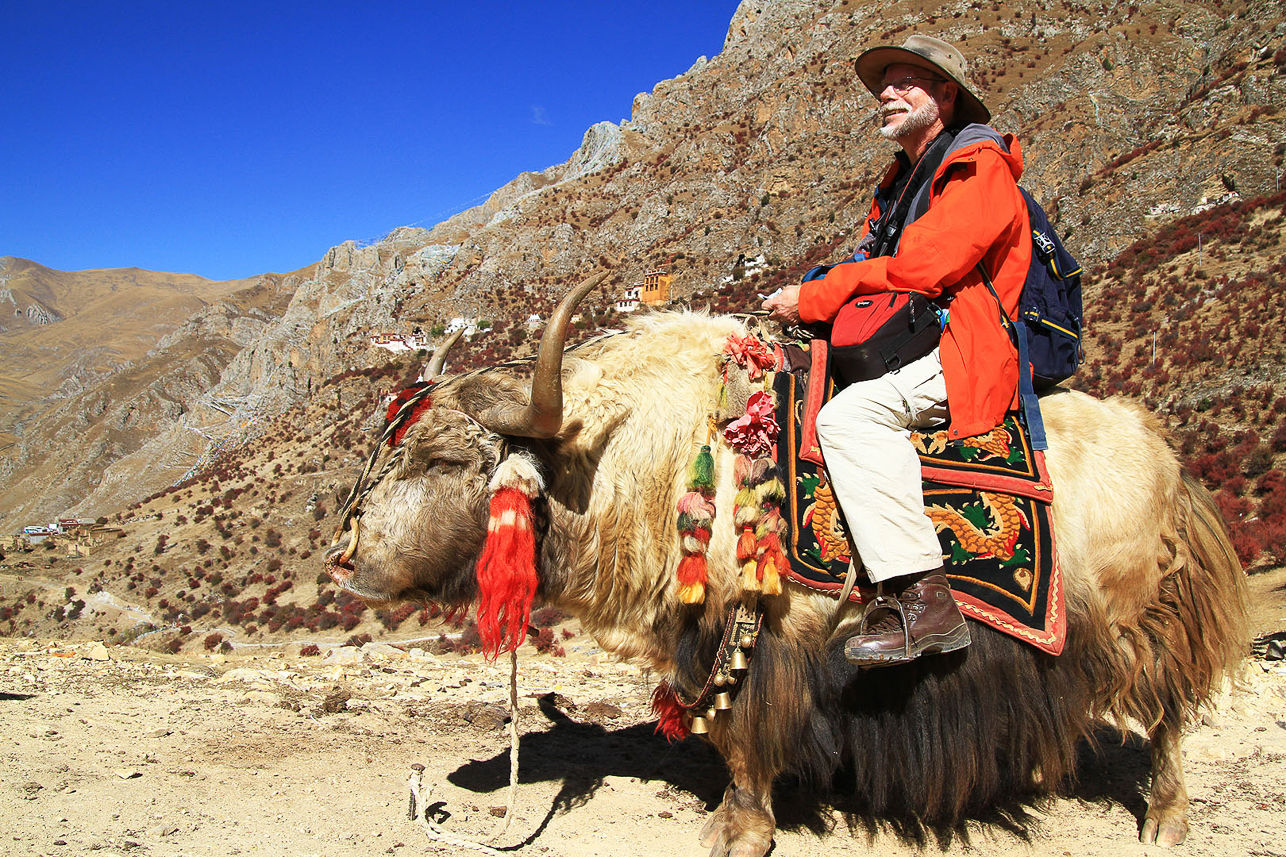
(1166, 822)
(743, 824)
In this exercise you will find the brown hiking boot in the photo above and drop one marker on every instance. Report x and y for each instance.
(919, 617)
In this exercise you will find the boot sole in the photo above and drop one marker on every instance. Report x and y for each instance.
(933, 644)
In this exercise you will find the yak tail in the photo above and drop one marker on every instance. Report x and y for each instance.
(1197, 627)
(1217, 614)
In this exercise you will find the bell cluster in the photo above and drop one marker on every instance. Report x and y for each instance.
(699, 722)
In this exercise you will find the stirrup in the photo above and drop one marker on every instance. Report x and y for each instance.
(888, 602)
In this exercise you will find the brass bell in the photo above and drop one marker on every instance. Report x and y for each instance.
(723, 701)
(720, 680)
(698, 726)
(711, 713)
(739, 661)
(746, 641)
(732, 679)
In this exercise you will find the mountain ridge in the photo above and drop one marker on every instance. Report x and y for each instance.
(1129, 119)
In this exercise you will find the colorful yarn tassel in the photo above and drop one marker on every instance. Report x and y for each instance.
(507, 568)
(758, 515)
(669, 712)
(701, 472)
(769, 563)
(696, 520)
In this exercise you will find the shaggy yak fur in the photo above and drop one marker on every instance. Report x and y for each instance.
(1156, 597)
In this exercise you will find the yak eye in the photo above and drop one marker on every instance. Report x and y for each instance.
(438, 465)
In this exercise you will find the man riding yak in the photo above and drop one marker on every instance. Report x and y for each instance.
(572, 478)
(975, 218)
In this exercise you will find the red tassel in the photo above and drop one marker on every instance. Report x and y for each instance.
(746, 544)
(506, 573)
(770, 565)
(670, 714)
(692, 575)
(396, 405)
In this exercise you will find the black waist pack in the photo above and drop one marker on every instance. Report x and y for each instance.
(873, 335)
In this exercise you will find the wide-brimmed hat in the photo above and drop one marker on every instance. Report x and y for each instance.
(928, 53)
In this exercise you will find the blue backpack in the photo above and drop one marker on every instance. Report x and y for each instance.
(1047, 331)
(1049, 308)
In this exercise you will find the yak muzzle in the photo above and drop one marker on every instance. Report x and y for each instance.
(339, 558)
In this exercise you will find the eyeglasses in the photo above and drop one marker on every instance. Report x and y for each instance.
(904, 85)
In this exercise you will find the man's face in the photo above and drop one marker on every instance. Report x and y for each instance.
(907, 102)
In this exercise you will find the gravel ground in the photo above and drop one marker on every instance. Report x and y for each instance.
(122, 750)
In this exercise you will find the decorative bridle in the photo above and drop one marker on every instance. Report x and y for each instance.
(540, 417)
(408, 409)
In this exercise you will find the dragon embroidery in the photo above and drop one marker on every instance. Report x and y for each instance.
(989, 528)
(823, 517)
(996, 442)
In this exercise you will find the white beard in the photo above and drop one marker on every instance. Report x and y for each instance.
(912, 123)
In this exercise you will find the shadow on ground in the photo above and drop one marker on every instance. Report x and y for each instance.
(1113, 768)
(584, 755)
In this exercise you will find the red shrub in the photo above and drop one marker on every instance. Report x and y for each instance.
(546, 641)
(1278, 443)
(1245, 541)
(1214, 469)
(1233, 508)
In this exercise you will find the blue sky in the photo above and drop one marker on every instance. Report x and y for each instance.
(230, 139)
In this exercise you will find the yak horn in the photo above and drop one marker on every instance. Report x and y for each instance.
(542, 417)
(439, 358)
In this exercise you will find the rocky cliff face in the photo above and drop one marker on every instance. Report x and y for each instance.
(1129, 117)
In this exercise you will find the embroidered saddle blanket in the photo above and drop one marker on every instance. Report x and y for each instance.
(988, 497)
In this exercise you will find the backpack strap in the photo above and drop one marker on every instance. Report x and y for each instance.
(1026, 390)
(888, 233)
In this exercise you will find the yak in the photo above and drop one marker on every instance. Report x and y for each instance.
(602, 434)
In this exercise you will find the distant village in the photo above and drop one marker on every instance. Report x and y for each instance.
(76, 536)
(652, 291)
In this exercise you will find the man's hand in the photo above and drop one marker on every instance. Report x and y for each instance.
(784, 305)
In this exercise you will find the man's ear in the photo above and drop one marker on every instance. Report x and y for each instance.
(950, 97)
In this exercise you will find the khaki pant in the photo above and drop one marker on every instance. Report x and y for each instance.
(864, 432)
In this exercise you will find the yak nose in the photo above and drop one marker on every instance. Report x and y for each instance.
(339, 557)
(338, 562)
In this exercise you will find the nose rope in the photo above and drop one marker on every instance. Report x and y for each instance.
(361, 488)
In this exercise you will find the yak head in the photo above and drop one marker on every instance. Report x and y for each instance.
(416, 521)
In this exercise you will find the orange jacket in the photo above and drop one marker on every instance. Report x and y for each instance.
(975, 213)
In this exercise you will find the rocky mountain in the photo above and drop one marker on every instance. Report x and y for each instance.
(1131, 118)
(77, 360)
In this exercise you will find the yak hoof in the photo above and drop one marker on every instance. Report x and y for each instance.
(1163, 831)
(738, 828)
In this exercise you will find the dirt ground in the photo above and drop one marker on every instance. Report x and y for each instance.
(121, 750)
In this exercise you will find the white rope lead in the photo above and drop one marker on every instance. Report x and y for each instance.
(511, 801)
(433, 831)
(419, 804)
